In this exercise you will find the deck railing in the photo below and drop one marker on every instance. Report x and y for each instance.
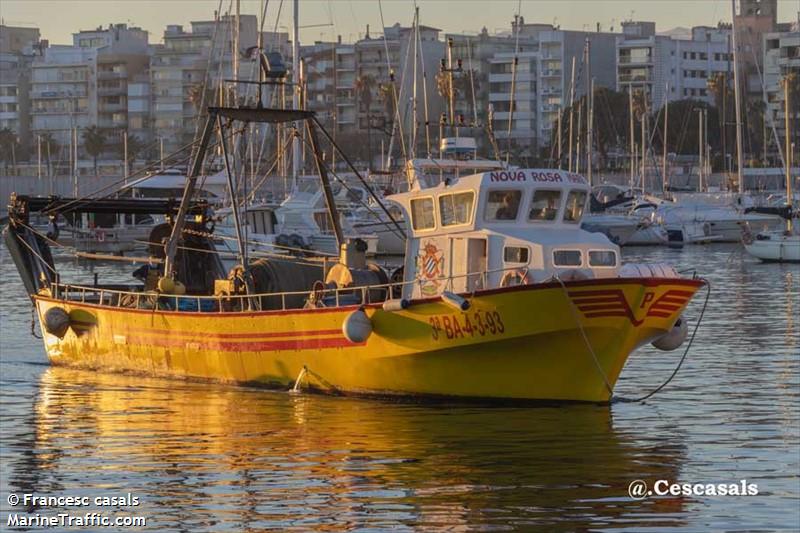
(315, 297)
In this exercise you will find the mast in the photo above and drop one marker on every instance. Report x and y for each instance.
(450, 95)
(295, 87)
(571, 109)
(412, 135)
(589, 111)
(700, 166)
(632, 135)
(737, 99)
(590, 117)
(125, 154)
(236, 48)
(39, 157)
(788, 159)
(578, 139)
(664, 157)
(644, 143)
(560, 112)
(706, 146)
(188, 192)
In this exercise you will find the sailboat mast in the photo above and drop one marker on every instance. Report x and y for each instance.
(644, 144)
(737, 99)
(571, 110)
(700, 165)
(295, 87)
(632, 135)
(412, 136)
(589, 133)
(788, 159)
(664, 156)
(589, 111)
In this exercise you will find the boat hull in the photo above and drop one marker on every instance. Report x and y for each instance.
(520, 343)
(777, 248)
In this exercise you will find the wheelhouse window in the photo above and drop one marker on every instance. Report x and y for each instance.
(456, 208)
(422, 216)
(545, 205)
(603, 258)
(515, 254)
(567, 258)
(502, 205)
(576, 200)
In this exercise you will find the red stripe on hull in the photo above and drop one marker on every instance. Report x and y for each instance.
(205, 336)
(253, 346)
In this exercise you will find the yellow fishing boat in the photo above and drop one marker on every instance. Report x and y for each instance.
(501, 296)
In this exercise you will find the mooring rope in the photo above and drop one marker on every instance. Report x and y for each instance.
(585, 337)
(600, 368)
(683, 357)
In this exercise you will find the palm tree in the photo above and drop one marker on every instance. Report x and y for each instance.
(386, 96)
(135, 146)
(94, 141)
(9, 144)
(364, 87)
(720, 87)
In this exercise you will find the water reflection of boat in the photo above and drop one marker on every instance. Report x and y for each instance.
(197, 455)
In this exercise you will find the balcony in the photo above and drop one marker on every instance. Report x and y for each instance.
(112, 124)
(627, 78)
(111, 108)
(110, 75)
(111, 91)
(551, 73)
(41, 95)
(627, 60)
(58, 111)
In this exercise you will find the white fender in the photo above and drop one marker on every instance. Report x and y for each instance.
(357, 327)
(673, 339)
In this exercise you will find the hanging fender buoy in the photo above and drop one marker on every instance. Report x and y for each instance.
(357, 327)
(166, 285)
(673, 339)
(56, 322)
(397, 304)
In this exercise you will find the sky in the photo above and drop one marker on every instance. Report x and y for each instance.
(325, 19)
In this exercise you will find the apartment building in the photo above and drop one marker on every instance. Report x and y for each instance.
(781, 61)
(650, 62)
(86, 83)
(544, 56)
(18, 46)
(189, 70)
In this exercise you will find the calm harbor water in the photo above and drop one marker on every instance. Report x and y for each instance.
(218, 458)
